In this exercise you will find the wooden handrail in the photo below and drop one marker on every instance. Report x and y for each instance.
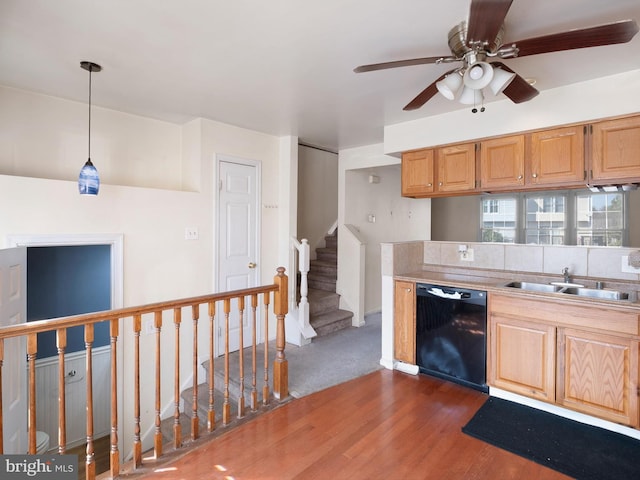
(39, 326)
(135, 314)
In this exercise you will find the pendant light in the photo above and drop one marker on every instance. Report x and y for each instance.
(88, 180)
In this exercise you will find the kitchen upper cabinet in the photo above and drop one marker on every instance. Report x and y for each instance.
(615, 151)
(456, 167)
(557, 158)
(417, 173)
(404, 325)
(522, 357)
(433, 172)
(598, 375)
(502, 163)
(553, 158)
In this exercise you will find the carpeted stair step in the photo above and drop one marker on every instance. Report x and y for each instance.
(327, 254)
(322, 301)
(331, 322)
(331, 241)
(321, 267)
(322, 283)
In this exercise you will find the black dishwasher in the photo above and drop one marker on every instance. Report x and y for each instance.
(451, 330)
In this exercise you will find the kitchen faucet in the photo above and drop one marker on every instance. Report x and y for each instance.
(567, 277)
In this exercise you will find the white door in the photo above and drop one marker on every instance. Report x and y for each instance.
(237, 245)
(13, 310)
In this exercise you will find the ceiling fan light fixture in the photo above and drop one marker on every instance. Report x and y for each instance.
(471, 96)
(450, 85)
(478, 75)
(501, 80)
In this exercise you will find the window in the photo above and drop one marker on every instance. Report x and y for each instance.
(499, 220)
(600, 219)
(555, 218)
(546, 219)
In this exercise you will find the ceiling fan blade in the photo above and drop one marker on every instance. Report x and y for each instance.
(399, 63)
(609, 34)
(485, 20)
(519, 90)
(425, 95)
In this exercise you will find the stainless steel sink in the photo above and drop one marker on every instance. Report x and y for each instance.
(603, 294)
(534, 287)
(597, 293)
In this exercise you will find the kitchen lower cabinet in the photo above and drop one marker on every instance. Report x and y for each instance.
(579, 356)
(404, 324)
(598, 375)
(522, 358)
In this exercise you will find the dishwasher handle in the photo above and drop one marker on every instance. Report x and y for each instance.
(442, 293)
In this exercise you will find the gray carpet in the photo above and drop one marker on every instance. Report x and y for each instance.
(335, 358)
(327, 361)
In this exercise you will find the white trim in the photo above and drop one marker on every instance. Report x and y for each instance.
(117, 285)
(216, 224)
(563, 412)
(53, 240)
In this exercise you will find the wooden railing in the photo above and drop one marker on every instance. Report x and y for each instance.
(134, 316)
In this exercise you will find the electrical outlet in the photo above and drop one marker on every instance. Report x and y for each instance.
(191, 233)
(626, 268)
(467, 255)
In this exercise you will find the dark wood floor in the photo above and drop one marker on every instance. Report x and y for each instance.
(101, 456)
(386, 425)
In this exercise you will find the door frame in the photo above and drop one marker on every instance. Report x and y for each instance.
(217, 230)
(116, 241)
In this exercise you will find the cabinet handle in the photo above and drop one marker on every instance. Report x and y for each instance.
(408, 290)
(519, 177)
(439, 184)
(429, 184)
(535, 175)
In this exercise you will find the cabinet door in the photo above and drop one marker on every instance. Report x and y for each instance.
(456, 167)
(502, 163)
(598, 375)
(522, 357)
(417, 173)
(557, 157)
(615, 151)
(404, 331)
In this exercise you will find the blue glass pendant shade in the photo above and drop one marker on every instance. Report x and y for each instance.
(88, 180)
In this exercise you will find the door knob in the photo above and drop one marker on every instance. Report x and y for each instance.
(252, 265)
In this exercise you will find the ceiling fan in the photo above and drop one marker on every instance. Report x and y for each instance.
(480, 39)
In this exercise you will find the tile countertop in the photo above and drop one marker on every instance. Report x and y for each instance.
(495, 281)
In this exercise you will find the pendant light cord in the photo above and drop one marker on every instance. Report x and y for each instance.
(89, 154)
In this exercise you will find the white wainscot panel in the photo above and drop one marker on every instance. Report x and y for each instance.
(76, 396)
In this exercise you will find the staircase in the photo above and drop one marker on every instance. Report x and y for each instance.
(166, 425)
(325, 315)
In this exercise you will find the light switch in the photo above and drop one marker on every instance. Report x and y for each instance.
(191, 233)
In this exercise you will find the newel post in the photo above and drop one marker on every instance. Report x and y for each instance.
(280, 364)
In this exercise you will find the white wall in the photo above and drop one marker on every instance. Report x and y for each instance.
(317, 195)
(47, 137)
(580, 102)
(131, 154)
(397, 218)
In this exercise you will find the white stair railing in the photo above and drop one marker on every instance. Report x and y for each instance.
(301, 331)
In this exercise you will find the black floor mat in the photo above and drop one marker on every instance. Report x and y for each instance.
(570, 447)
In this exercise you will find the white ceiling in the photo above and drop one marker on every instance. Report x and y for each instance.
(283, 67)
